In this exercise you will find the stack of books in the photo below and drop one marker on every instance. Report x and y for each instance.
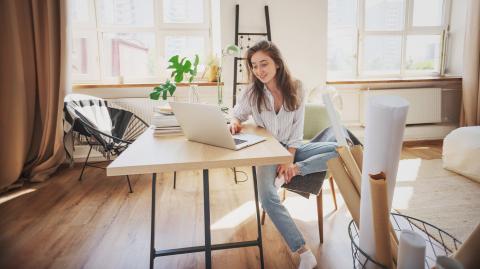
(165, 124)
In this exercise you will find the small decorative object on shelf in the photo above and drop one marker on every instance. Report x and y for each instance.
(181, 68)
(229, 50)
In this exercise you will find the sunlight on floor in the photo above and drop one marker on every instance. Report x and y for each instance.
(235, 217)
(16, 194)
(407, 172)
(402, 197)
(306, 210)
(420, 148)
(408, 169)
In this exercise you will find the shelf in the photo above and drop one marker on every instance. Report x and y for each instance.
(139, 85)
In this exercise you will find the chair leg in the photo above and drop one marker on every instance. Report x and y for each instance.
(85, 164)
(262, 220)
(332, 187)
(235, 175)
(320, 215)
(174, 179)
(129, 185)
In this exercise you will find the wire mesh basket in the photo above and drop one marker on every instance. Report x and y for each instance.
(438, 242)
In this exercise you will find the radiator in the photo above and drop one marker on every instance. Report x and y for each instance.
(425, 103)
(142, 107)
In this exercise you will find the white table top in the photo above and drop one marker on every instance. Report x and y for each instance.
(154, 154)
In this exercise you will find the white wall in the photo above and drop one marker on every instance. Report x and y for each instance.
(298, 29)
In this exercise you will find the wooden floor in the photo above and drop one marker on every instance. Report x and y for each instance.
(96, 223)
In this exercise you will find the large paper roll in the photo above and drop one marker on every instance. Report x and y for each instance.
(357, 152)
(334, 120)
(468, 254)
(346, 187)
(411, 251)
(351, 165)
(385, 125)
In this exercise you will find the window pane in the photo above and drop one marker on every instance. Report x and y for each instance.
(382, 15)
(427, 12)
(382, 54)
(84, 56)
(185, 46)
(342, 13)
(126, 12)
(341, 51)
(130, 54)
(342, 38)
(183, 11)
(423, 53)
(80, 56)
(80, 13)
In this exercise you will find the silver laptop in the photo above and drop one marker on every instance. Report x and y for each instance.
(206, 124)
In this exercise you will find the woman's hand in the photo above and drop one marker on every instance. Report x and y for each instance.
(288, 170)
(235, 126)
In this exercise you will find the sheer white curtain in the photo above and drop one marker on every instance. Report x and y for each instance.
(470, 114)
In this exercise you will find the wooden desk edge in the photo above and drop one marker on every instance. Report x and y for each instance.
(149, 169)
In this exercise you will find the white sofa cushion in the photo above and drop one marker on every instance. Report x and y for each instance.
(461, 152)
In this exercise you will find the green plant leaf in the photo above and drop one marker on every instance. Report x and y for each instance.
(174, 59)
(178, 77)
(171, 89)
(186, 66)
(164, 95)
(195, 62)
(155, 95)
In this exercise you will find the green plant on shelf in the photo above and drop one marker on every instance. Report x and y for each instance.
(181, 68)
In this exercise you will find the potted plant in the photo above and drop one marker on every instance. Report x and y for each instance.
(181, 68)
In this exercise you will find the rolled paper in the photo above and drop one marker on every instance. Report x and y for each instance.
(381, 220)
(411, 251)
(468, 253)
(394, 235)
(351, 166)
(394, 247)
(357, 152)
(334, 120)
(346, 187)
(385, 125)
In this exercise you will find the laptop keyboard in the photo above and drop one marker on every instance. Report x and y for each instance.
(239, 141)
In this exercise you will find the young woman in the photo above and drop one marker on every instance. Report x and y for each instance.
(276, 102)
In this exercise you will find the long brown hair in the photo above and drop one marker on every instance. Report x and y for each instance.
(289, 88)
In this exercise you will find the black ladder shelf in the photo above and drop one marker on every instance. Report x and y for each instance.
(237, 62)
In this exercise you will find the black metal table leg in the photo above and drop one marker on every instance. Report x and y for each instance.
(152, 223)
(206, 210)
(257, 208)
(208, 247)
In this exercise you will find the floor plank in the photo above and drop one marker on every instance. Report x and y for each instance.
(96, 223)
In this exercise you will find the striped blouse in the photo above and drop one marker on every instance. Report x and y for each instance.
(286, 126)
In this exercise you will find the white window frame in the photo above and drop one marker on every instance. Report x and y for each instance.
(408, 29)
(159, 29)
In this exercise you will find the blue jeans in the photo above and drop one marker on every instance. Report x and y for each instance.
(310, 158)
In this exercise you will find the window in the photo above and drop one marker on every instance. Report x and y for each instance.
(386, 38)
(132, 40)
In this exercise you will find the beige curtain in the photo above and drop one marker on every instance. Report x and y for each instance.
(33, 79)
(470, 114)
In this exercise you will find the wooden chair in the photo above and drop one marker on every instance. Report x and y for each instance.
(316, 120)
(314, 186)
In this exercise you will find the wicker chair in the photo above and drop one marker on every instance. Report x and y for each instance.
(110, 131)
